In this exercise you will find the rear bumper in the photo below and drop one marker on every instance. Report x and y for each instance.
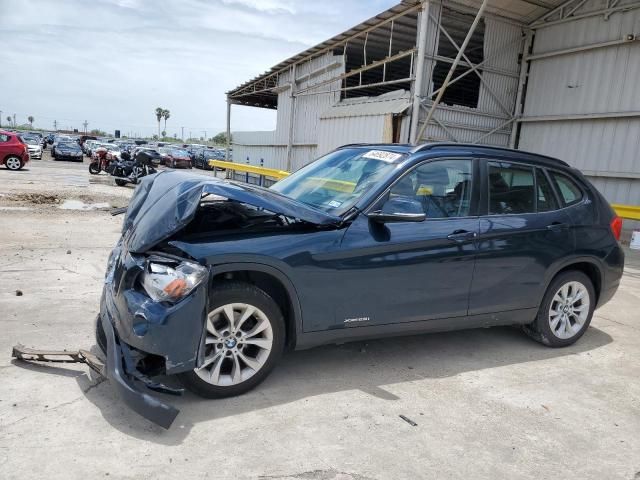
(139, 401)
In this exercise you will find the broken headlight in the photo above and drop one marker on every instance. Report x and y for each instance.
(170, 283)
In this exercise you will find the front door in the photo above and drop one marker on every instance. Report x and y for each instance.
(406, 271)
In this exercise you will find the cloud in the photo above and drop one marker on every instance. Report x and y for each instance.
(112, 62)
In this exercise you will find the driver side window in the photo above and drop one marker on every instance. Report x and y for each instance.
(442, 187)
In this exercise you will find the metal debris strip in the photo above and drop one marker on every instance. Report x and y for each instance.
(23, 353)
(409, 421)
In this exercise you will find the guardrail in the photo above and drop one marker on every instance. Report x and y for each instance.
(629, 212)
(264, 176)
(249, 173)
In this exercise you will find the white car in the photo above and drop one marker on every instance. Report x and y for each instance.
(34, 147)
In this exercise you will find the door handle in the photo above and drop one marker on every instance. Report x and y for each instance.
(556, 226)
(461, 235)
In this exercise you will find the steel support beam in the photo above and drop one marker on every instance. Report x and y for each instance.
(613, 43)
(580, 116)
(419, 76)
(292, 114)
(228, 139)
(524, 75)
(454, 65)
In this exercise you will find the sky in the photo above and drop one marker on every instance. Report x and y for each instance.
(112, 62)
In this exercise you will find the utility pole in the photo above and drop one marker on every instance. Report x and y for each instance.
(85, 126)
(182, 136)
(0, 118)
(205, 135)
(14, 120)
(55, 125)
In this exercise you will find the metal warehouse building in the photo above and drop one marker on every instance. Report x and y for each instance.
(558, 78)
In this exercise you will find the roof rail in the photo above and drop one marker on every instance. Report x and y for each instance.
(429, 146)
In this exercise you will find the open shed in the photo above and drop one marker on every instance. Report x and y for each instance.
(549, 76)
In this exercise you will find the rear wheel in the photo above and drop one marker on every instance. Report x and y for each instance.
(94, 168)
(244, 340)
(120, 182)
(13, 163)
(566, 310)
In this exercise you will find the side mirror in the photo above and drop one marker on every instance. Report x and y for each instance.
(399, 209)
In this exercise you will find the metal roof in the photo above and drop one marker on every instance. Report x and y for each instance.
(519, 11)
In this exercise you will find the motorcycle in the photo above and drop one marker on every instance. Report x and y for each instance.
(131, 171)
(99, 161)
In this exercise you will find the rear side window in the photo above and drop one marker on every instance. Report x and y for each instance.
(569, 191)
(4, 138)
(546, 198)
(511, 189)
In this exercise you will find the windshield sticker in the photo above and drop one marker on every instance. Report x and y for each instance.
(382, 155)
(334, 204)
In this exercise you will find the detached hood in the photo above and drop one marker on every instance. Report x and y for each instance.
(165, 203)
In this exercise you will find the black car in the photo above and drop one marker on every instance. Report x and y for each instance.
(202, 156)
(212, 280)
(70, 150)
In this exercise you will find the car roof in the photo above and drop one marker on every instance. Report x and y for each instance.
(464, 148)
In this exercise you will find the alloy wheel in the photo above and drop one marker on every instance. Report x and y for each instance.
(238, 343)
(569, 309)
(13, 163)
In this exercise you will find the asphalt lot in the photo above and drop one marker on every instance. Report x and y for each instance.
(488, 403)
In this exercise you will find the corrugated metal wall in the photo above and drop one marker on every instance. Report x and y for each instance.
(596, 81)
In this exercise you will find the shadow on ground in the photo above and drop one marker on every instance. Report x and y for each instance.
(366, 366)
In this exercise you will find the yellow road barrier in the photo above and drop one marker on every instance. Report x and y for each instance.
(630, 212)
(240, 167)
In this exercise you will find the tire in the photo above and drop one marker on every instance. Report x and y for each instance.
(228, 355)
(574, 316)
(13, 163)
(120, 182)
(94, 168)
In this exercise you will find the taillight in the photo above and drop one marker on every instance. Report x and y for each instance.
(616, 227)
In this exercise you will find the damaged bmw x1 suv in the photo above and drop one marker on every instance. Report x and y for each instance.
(212, 279)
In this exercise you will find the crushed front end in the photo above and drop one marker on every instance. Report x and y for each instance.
(151, 323)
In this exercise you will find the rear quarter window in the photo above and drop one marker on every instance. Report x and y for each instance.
(568, 189)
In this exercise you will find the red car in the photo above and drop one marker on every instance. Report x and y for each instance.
(14, 154)
(176, 158)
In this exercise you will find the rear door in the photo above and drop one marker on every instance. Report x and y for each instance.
(522, 232)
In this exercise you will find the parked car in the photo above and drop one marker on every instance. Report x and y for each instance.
(14, 154)
(34, 146)
(200, 157)
(69, 150)
(213, 279)
(177, 158)
(57, 139)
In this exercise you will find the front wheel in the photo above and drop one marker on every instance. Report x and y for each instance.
(120, 182)
(94, 168)
(245, 338)
(566, 310)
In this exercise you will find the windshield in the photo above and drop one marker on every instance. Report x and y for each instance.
(179, 153)
(335, 182)
(30, 140)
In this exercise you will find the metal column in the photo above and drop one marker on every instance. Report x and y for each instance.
(292, 114)
(228, 139)
(419, 71)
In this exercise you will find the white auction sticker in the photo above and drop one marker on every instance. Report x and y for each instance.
(334, 204)
(382, 155)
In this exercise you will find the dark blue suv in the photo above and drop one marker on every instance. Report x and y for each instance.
(212, 280)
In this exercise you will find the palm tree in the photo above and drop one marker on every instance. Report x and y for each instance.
(159, 114)
(166, 114)
(31, 119)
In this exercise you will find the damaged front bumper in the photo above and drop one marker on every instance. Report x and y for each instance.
(142, 337)
(115, 369)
